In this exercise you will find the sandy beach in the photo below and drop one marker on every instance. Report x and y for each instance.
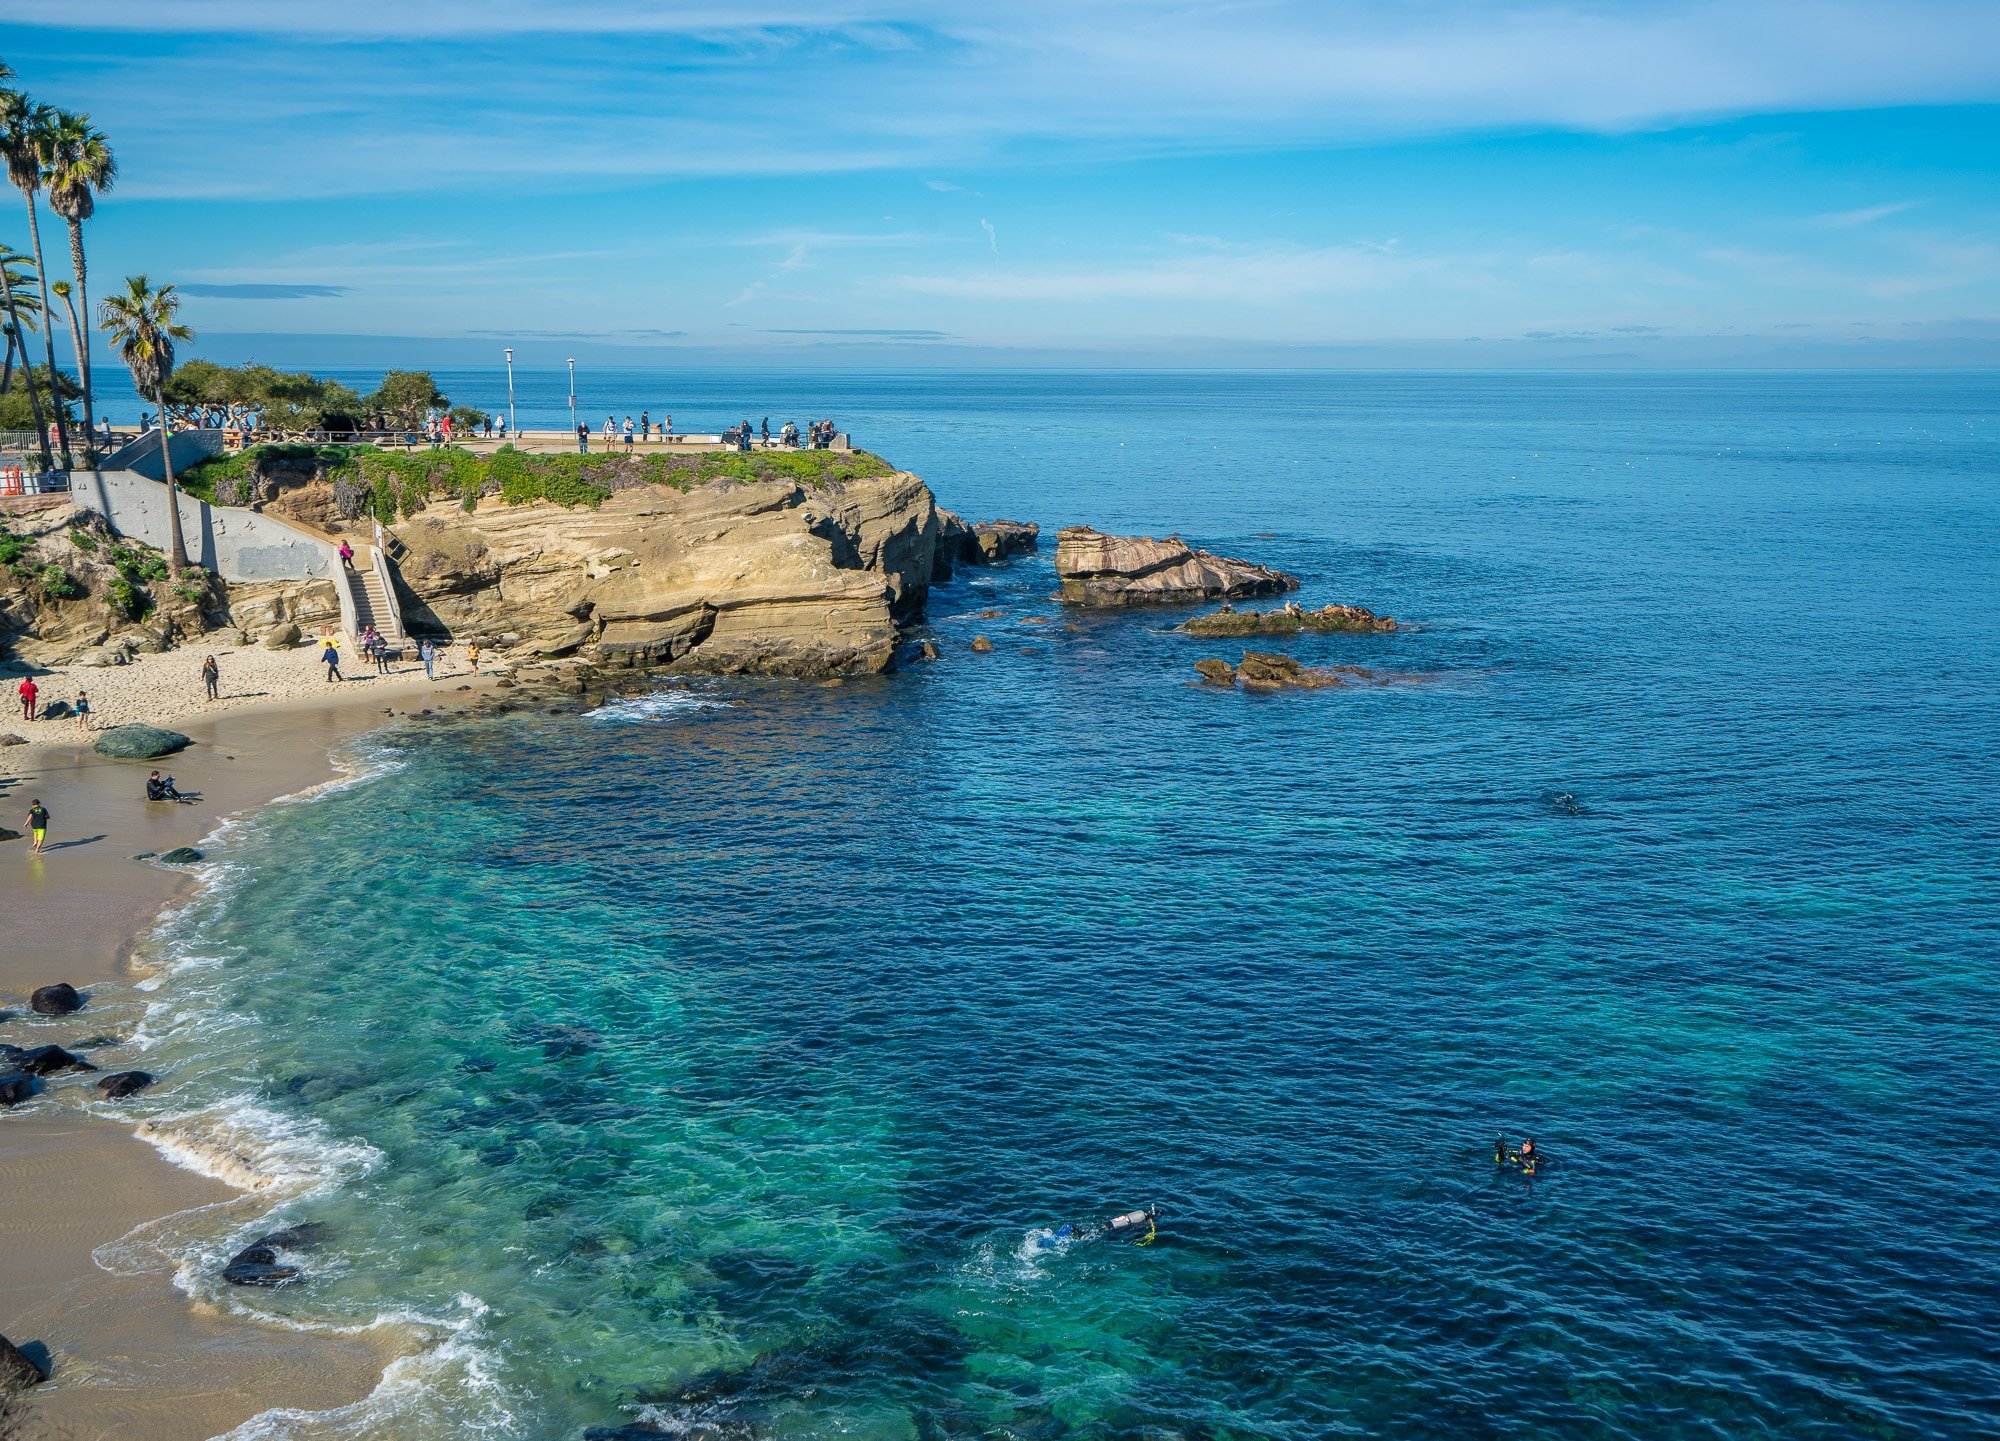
(132, 1356)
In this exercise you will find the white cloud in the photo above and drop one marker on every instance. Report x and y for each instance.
(1849, 219)
(992, 235)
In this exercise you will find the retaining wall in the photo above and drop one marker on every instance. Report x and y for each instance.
(238, 545)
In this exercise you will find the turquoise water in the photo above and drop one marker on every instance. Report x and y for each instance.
(712, 1059)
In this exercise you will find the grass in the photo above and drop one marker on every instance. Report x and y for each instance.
(399, 484)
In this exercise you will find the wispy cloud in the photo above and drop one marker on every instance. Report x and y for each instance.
(261, 292)
(877, 334)
(992, 235)
(1849, 219)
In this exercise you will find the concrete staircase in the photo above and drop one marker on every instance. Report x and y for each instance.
(373, 603)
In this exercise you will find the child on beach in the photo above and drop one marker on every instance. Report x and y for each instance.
(472, 655)
(83, 710)
(38, 824)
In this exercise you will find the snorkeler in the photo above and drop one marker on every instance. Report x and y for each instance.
(1526, 1159)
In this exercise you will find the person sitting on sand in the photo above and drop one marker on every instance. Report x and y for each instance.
(161, 788)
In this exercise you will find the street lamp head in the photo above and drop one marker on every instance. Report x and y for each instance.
(510, 353)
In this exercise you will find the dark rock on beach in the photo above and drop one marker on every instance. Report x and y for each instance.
(61, 999)
(17, 1371)
(1326, 620)
(42, 1060)
(180, 856)
(118, 1086)
(16, 1087)
(140, 742)
(1118, 570)
(10, 739)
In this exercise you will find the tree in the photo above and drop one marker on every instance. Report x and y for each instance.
(14, 272)
(67, 295)
(143, 325)
(80, 168)
(27, 133)
(405, 395)
(29, 394)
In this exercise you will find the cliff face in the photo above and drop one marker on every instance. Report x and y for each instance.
(766, 577)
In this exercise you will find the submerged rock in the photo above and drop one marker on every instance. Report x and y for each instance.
(260, 1263)
(1117, 570)
(124, 1083)
(16, 1087)
(61, 999)
(1262, 670)
(42, 1060)
(17, 1370)
(180, 856)
(981, 644)
(1326, 620)
(1216, 672)
(140, 742)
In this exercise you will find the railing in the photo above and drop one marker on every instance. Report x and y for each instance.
(391, 624)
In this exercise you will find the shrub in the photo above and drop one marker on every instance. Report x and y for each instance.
(11, 546)
(82, 539)
(130, 598)
(59, 584)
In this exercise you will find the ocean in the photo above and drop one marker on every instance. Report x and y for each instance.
(729, 1058)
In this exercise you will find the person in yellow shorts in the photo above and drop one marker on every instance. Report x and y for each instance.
(38, 823)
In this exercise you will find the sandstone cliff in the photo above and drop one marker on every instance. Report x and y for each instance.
(769, 577)
(1112, 570)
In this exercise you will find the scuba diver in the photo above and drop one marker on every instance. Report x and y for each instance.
(1141, 1227)
(1526, 1159)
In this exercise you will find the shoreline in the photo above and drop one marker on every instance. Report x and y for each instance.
(132, 1354)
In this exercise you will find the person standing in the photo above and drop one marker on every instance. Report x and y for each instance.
(381, 654)
(427, 653)
(29, 690)
(628, 435)
(472, 655)
(211, 678)
(610, 432)
(645, 426)
(330, 657)
(582, 437)
(38, 824)
(83, 711)
(766, 431)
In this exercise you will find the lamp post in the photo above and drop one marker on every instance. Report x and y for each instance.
(512, 429)
(572, 393)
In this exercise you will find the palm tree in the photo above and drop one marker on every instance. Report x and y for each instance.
(80, 168)
(143, 325)
(26, 134)
(66, 293)
(12, 273)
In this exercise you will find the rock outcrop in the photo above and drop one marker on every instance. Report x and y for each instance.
(767, 577)
(15, 1088)
(1326, 620)
(42, 1060)
(1261, 670)
(118, 1086)
(17, 1371)
(1118, 570)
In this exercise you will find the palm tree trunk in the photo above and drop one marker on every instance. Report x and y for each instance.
(76, 339)
(34, 402)
(82, 350)
(48, 328)
(177, 551)
(7, 371)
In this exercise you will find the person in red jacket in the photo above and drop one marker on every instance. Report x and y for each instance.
(29, 690)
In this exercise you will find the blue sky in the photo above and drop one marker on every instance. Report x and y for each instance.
(938, 182)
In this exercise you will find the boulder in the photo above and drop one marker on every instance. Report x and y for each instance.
(1326, 620)
(124, 1083)
(179, 856)
(9, 835)
(99, 656)
(283, 636)
(1114, 570)
(981, 644)
(16, 1087)
(17, 1371)
(61, 999)
(1261, 670)
(1216, 672)
(10, 739)
(929, 650)
(42, 1060)
(140, 742)
(1000, 540)
(57, 710)
(261, 1262)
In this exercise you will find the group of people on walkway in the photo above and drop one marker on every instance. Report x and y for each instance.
(820, 435)
(378, 651)
(641, 432)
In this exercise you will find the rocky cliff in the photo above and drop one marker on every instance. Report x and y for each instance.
(1112, 570)
(767, 577)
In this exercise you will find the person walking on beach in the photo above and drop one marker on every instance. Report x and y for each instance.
(29, 690)
(38, 825)
(427, 653)
(472, 655)
(211, 678)
(83, 711)
(330, 657)
(381, 654)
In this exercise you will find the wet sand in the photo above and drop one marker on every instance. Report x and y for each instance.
(133, 1357)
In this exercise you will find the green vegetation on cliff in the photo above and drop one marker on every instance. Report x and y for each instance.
(390, 484)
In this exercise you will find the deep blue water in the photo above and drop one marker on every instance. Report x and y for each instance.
(743, 1035)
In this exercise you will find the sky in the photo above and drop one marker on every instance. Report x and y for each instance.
(940, 182)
